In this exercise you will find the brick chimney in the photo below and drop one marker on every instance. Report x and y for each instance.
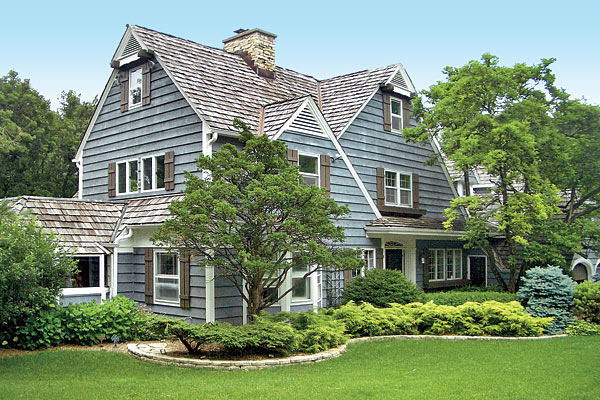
(256, 47)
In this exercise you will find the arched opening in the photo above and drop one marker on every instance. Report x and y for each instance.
(580, 273)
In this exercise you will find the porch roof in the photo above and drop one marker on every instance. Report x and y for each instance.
(413, 226)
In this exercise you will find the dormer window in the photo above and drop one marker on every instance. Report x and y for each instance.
(397, 120)
(135, 88)
(398, 189)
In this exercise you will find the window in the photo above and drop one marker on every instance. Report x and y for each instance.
(135, 88)
(309, 168)
(87, 273)
(398, 189)
(397, 121)
(445, 264)
(127, 177)
(302, 291)
(153, 173)
(369, 257)
(166, 278)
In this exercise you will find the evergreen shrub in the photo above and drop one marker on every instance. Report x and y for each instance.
(587, 301)
(548, 292)
(458, 297)
(582, 328)
(381, 287)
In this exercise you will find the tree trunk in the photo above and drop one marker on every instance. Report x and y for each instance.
(467, 183)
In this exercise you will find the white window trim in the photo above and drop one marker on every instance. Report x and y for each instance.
(397, 187)
(157, 276)
(318, 174)
(131, 106)
(445, 267)
(401, 115)
(93, 290)
(127, 173)
(302, 301)
(141, 173)
(364, 269)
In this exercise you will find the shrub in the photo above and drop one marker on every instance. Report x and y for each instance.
(380, 287)
(547, 292)
(367, 320)
(45, 329)
(458, 297)
(587, 301)
(582, 328)
(315, 331)
(32, 271)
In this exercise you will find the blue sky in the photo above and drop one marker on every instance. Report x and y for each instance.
(63, 45)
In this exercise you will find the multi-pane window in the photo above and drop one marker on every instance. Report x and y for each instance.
(127, 177)
(153, 173)
(166, 278)
(309, 168)
(87, 273)
(302, 291)
(398, 189)
(445, 264)
(397, 121)
(369, 257)
(135, 88)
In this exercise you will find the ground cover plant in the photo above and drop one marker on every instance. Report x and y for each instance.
(458, 297)
(390, 369)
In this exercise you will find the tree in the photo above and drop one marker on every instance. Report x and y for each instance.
(33, 267)
(498, 118)
(253, 219)
(36, 143)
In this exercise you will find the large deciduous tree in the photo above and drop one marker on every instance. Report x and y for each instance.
(499, 119)
(251, 217)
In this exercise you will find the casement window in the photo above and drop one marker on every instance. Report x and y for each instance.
(396, 114)
(135, 88)
(445, 264)
(127, 177)
(87, 274)
(141, 175)
(398, 189)
(301, 292)
(153, 173)
(166, 278)
(309, 168)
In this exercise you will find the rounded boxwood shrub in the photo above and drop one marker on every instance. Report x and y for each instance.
(380, 287)
(548, 292)
(587, 301)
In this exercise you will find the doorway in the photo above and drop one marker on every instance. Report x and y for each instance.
(478, 270)
(394, 259)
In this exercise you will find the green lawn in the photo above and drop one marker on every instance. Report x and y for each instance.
(566, 368)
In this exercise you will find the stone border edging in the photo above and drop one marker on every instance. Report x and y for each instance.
(155, 352)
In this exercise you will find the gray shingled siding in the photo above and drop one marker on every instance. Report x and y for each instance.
(370, 147)
(131, 284)
(168, 123)
(228, 301)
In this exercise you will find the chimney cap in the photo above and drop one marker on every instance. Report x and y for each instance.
(244, 32)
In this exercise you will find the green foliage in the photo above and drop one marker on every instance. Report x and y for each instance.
(253, 211)
(547, 292)
(458, 297)
(490, 318)
(32, 270)
(41, 330)
(380, 287)
(587, 301)
(37, 144)
(582, 328)
(316, 331)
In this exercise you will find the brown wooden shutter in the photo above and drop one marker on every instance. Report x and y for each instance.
(146, 84)
(184, 279)
(380, 187)
(149, 276)
(415, 190)
(387, 113)
(325, 173)
(426, 267)
(292, 156)
(379, 258)
(170, 170)
(347, 277)
(124, 91)
(112, 179)
(406, 113)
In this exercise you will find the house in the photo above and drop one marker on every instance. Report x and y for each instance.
(168, 99)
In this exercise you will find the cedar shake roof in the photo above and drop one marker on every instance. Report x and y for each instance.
(407, 222)
(80, 224)
(277, 114)
(147, 211)
(222, 86)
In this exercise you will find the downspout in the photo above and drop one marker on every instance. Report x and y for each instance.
(113, 267)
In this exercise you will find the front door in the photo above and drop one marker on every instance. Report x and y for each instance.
(477, 267)
(394, 259)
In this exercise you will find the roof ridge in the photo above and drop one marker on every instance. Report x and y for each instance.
(286, 100)
(360, 72)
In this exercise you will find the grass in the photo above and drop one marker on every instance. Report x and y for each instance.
(562, 368)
